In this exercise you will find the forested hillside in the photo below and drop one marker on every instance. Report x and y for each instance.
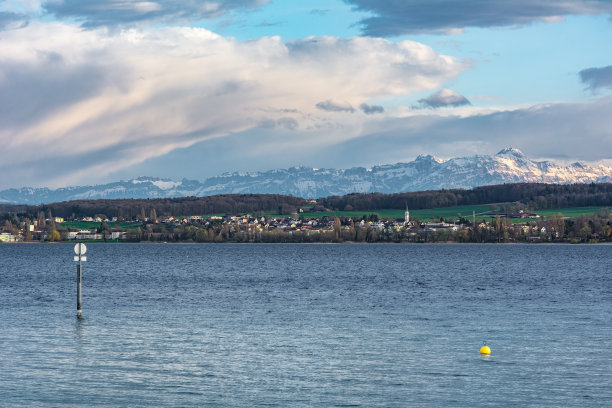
(531, 195)
(535, 196)
(133, 208)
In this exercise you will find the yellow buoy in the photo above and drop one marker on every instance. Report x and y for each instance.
(485, 350)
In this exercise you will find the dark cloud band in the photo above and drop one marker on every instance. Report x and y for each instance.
(371, 109)
(596, 78)
(94, 13)
(444, 98)
(331, 106)
(400, 17)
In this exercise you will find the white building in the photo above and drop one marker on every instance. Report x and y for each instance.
(118, 235)
(7, 237)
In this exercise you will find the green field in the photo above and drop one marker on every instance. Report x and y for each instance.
(85, 225)
(465, 211)
(571, 212)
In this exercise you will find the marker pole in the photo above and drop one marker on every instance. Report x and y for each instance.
(79, 279)
(79, 249)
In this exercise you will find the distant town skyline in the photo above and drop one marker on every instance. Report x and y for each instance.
(93, 91)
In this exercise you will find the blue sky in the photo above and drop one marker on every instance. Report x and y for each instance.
(93, 91)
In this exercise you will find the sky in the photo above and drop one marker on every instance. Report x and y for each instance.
(96, 91)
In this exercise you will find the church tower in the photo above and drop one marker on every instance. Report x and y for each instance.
(407, 216)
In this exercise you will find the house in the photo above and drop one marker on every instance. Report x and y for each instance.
(85, 235)
(91, 236)
(77, 234)
(7, 237)
(118, 235)
(378, 225)
(433, 226)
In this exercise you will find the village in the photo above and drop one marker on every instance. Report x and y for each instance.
(516, 227)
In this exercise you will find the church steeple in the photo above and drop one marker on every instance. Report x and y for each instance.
(407, 216)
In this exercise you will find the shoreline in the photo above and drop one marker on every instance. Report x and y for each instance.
(309, 243)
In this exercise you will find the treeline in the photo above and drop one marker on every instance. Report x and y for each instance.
(140, 208)
(533, 195)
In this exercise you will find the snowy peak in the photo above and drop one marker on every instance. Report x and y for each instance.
(510, 151)
(428, 158)
(162, 184)
(509, 165)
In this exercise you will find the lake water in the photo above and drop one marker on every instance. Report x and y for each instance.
(307, 325)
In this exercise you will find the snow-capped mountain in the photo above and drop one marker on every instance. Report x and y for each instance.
(424, 173)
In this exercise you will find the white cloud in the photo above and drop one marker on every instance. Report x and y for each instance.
(98, 101)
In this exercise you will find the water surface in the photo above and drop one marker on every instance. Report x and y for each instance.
(307, 325)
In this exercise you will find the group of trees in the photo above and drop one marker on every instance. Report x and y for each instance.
(14, 225)
(249, 233)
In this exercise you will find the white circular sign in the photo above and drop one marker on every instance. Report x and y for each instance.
(80, 249)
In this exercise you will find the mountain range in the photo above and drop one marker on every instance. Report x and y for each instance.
(424, 173)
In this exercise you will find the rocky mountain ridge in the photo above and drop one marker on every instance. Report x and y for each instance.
(424, 173)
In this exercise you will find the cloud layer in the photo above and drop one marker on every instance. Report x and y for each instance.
(92, 102)
(398, 17)
(570, 131)
(576, 131)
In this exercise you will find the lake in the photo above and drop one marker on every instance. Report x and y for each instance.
(296, 325)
